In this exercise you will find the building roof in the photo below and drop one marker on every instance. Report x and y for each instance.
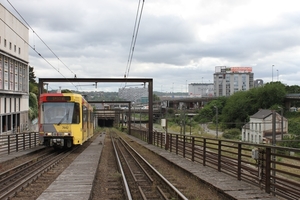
(261, 114)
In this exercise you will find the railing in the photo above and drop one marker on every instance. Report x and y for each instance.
(272, 168)
(18, 142)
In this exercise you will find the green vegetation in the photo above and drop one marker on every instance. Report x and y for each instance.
(33, 93)
(235, 111)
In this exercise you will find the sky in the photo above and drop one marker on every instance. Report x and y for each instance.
(177, 42)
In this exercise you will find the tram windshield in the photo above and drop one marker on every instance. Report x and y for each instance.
(59, 113)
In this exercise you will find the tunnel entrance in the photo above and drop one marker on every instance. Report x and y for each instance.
(105, 122)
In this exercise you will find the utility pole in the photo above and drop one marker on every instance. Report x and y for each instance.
(273, 149)
(216, 121)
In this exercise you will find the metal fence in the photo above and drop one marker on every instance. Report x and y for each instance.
(272, 168)
(10, 143)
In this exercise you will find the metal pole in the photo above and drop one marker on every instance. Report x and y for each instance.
(216, 121)
(273, 149)
(281, 124)
(183, 121)
(272, 72)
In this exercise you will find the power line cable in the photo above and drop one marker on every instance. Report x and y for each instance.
(42, 40)
(137, 30)
(134, 30)
(134, 37)
(35, 50)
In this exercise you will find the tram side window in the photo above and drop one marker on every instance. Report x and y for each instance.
(76, 114)
(84, 113)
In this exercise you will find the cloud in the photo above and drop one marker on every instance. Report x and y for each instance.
(177, 43)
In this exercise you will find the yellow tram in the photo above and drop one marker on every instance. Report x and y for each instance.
(65, 119)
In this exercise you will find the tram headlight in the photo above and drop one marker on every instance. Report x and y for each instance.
(67, 134)
(48, 134)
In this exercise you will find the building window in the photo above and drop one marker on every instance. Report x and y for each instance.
(1, 70)
(4, 42)
(11, 74)
(5, 73)
(5, 105)
(16, 77)
(20, 77)
(15, 48)
(10, 46)
(19, 50)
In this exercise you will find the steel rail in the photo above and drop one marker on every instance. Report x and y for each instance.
(129, 197)
(178, 193)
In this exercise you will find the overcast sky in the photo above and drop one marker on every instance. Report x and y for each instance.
(178, 42)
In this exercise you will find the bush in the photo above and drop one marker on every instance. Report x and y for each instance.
(232, 134)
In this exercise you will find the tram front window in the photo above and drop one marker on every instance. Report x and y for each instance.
(58, 112)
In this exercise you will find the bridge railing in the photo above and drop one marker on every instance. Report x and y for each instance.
(10, 143)
(274, 169)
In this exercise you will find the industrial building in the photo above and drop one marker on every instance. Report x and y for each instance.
(201, 89)
(138, 95)
(14, 86)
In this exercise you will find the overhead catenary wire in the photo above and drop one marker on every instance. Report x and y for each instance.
(134, 37)
(41, 39)
(35, 50)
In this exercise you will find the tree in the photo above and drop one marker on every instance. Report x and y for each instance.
(236, 110)
(207, 113)
(156, 98)
(33, 85)
(292, 89)
(33, 106)
(32, 76)
(33, 93)
(66, 91)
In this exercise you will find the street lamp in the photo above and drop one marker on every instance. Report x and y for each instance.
(272, 72)
(281, 113)
(216, 121)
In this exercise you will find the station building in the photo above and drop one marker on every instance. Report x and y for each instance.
(14, 73)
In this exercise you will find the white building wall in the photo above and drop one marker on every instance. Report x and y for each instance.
(8, 32)
(255, 133)
(24, 103)
(14, 72)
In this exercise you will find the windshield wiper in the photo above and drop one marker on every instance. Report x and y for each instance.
(62, 119)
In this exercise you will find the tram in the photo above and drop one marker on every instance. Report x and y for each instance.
(65, 120)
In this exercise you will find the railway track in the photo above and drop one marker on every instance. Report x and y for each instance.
(141, 180)
(14, 180)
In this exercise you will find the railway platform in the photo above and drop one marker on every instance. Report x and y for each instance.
(221, 182)
(79, 176)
